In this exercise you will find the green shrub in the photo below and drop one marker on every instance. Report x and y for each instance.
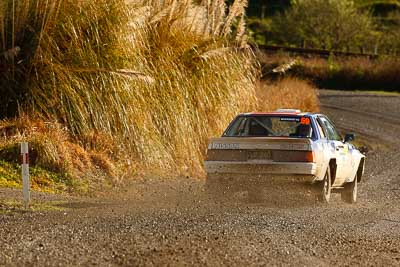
(328, 24)
(260, 30)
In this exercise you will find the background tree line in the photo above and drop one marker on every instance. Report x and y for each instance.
(359, 26)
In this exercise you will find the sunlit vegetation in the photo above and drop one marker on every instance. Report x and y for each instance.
(122, 85)
(287, 93)
(339, 73)
(108, 89)
(370, 26)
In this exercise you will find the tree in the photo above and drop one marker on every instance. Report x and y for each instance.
(328, 24)
(264, 8)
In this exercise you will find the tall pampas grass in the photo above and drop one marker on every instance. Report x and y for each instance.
(157, 77)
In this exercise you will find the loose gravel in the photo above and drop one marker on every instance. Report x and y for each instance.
(171, 222)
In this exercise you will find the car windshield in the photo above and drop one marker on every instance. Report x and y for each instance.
(278, 126)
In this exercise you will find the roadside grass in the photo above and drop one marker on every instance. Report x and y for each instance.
(104, 90)
(339, 73)
(291, 93)
(371, 143)
(11, 206)
(41, 180)
(384, 93)
(57, 162)
(120, 87)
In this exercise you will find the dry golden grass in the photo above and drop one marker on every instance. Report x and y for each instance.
(354, 73)
(137, 81)
(291, 93)
(114, 87)
(52, 148)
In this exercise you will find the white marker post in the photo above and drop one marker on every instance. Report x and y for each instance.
(25, 172)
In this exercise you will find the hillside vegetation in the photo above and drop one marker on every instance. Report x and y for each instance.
(335, 72)
(106, 89)
(345, 25)
(362, 26)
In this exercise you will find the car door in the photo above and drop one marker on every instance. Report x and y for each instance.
(339, 150)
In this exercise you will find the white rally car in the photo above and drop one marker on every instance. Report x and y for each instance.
(286, 144)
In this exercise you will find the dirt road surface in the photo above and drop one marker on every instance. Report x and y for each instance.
(171, 222)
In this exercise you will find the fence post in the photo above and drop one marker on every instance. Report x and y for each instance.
(25, 173)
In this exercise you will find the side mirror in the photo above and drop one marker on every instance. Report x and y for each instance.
(349, 137)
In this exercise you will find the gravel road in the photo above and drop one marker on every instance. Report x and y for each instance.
(171, 222)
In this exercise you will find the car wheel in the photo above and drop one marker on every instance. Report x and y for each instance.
(324, 188)
(349, 192)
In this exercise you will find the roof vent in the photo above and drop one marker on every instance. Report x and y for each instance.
(284, 110)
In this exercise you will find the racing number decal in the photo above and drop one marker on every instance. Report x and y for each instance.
(305, 121)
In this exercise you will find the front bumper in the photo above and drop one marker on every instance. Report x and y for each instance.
(261, 167)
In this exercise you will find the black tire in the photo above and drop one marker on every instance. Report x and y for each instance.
(324, 188)
(349, 192)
